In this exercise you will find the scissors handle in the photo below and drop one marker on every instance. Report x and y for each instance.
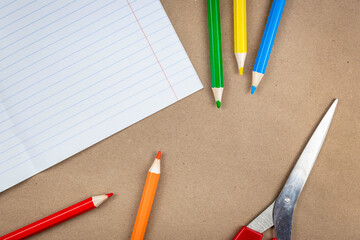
(246, 233)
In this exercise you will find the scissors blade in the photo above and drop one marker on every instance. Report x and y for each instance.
(264, 221)
(285, 203)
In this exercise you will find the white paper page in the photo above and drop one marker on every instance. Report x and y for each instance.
(75, 72)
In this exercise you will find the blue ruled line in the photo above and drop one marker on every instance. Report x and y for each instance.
(51, 23)
(60, 50)
(34, 21)
(57, 29)
(83, 110)
(14, 21)
(112, 116)
(71, 44)
(7, 4)
(124, 58)
(87, 98)
(17, 9)
(95, 95)
(72, 73)
(8, 107)
(103, 27)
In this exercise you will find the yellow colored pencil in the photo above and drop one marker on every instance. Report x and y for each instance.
(240, 39)
(147, 200)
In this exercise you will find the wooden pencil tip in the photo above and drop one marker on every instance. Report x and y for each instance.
(109, 194)
(158, 156)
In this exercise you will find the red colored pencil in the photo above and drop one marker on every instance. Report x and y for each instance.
(58, 217)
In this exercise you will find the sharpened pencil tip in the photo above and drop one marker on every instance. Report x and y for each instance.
(241, 70)
(158, 156)
(253, 88)
(218, 104)
(109, 194)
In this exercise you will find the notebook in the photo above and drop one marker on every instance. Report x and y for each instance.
(75, 72)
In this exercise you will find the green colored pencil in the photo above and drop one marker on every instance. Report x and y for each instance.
(217, 81)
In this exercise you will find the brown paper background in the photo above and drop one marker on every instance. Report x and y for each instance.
(220, 168)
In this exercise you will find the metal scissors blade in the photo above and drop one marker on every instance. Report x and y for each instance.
(264, 221)
(285, 203)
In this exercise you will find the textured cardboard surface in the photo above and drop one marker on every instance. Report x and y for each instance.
(220, 168)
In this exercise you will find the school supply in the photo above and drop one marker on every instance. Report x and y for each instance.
(216, 65)
(57, 218)
(147, 199)
(280, 212)
(73, 73)
(240, 37)
(267, 42)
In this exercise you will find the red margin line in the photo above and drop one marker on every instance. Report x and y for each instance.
(152, 50)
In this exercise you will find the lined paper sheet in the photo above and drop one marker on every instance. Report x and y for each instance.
(75, 72)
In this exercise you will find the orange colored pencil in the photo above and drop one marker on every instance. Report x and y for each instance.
(147, 200)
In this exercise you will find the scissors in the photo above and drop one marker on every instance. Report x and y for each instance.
(279, 214)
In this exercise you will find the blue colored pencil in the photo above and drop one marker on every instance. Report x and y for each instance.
(267, 42)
